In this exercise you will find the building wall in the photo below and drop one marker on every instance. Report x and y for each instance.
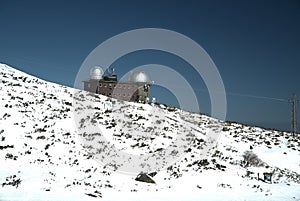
(128, 91)
(91, 85)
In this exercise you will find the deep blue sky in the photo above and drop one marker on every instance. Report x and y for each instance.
(254, 44)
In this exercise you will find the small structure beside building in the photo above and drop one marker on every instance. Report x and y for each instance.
(268, 177)
(136, 89)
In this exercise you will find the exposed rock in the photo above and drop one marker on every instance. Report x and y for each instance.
(143, 177)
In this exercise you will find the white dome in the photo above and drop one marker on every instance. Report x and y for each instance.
(96, 73)
(139, 77)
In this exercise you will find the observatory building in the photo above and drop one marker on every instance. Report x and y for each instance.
(136, 89)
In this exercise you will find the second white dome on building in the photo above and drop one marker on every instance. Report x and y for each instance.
(139, 76)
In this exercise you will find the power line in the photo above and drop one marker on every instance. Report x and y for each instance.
(257, 97)
(238, 94)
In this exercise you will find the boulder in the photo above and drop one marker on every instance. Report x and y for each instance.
(144, 177)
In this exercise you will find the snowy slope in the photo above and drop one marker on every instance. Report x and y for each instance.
(49, 149)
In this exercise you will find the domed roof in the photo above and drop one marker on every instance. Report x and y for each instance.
(96, 73)
(137, 76)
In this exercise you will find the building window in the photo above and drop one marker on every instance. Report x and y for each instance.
(100, 85)
(104, 85)
(89, 85)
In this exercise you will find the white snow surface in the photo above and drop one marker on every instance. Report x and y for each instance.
(42, 149)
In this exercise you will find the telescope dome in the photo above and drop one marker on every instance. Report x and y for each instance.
(139, 77)
(96, 73)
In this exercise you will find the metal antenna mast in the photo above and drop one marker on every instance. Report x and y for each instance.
(293, 101)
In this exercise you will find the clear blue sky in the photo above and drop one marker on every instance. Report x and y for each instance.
(255, 45)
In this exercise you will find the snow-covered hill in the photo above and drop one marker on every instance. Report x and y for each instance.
(51, 149)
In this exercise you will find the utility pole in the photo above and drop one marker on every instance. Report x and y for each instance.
(293, 101)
